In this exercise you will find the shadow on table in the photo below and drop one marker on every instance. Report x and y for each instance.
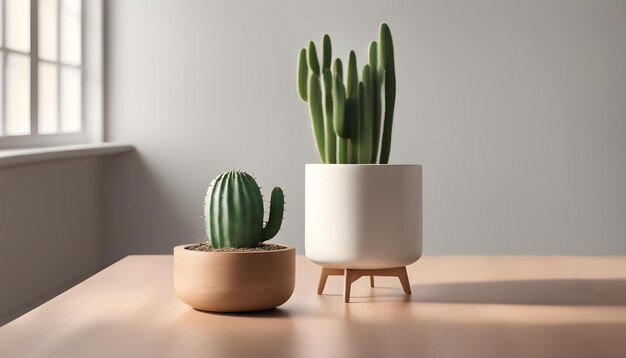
(248, 334)
(271, 313)
(573, 292)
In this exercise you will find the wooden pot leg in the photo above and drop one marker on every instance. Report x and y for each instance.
(324, 277)
(404, 280)
(350, 275)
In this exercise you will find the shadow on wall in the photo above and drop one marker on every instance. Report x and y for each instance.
(50, 237)
(570, 292)
(133, 201)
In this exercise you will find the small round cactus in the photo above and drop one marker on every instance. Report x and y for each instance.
(233, 211)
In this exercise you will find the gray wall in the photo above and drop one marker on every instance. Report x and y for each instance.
(49, 231)
(516, 109)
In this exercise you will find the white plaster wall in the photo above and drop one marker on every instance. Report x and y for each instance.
(516, 109)
(49, 231)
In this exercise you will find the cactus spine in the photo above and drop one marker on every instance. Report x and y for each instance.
(350, 122)
(233, 211)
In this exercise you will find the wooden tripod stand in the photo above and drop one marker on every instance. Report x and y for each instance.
(351, 275)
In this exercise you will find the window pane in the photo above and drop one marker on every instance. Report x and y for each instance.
(48, 98)
(18, 24)
(48, 28)
(70, 31)
(17, 94)
(70, 100)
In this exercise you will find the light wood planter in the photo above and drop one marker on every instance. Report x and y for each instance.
(234, 281)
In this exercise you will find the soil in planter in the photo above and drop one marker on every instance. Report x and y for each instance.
(205, 246)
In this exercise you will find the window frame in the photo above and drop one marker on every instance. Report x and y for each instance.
(91, 71)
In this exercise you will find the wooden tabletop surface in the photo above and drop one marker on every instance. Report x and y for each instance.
(461, 306)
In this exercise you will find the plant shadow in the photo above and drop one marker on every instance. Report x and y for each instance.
(563, 292)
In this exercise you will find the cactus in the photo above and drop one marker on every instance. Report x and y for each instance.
(350, 123)
(317, 113)
(327, 52)
(389, 75)
(338, 69)
(342, 127)
(367, 115)
(314, 63)
(233, 211)
(377, 103)
(303, 75)
(330, 138)
(352, 84)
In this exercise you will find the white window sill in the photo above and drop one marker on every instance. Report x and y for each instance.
(13, 157)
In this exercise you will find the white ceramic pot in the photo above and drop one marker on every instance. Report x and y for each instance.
(363, 216)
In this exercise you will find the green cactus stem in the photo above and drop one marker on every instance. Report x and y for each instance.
(327, 52)
(343, 144)
(376, 100)
(314, 63)
(338, 68)
(364, 134)
(387, 65)
(352, 87)
(317, 113)
(357, 138)
(366, 88)
(342, 127)
(233, 211)
(352, 117)
(352, 105)
(303, 75)
(330, 138)
(277, 210)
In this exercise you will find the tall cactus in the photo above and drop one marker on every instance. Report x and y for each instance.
(314, 63)
(330, 138)
(367, 110)
(352, 107)
(376, 100)
(327, 52)
(389, 74)
(350, 122)
(317, 113)
(338, 69)
(233, 211)
(343, 127)
(303, 76)
(352, 82)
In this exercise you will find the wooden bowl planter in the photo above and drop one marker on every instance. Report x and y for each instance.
(234, 281)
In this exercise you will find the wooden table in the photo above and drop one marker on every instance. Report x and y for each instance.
(462, 306)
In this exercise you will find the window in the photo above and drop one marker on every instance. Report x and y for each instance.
(42, 72)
